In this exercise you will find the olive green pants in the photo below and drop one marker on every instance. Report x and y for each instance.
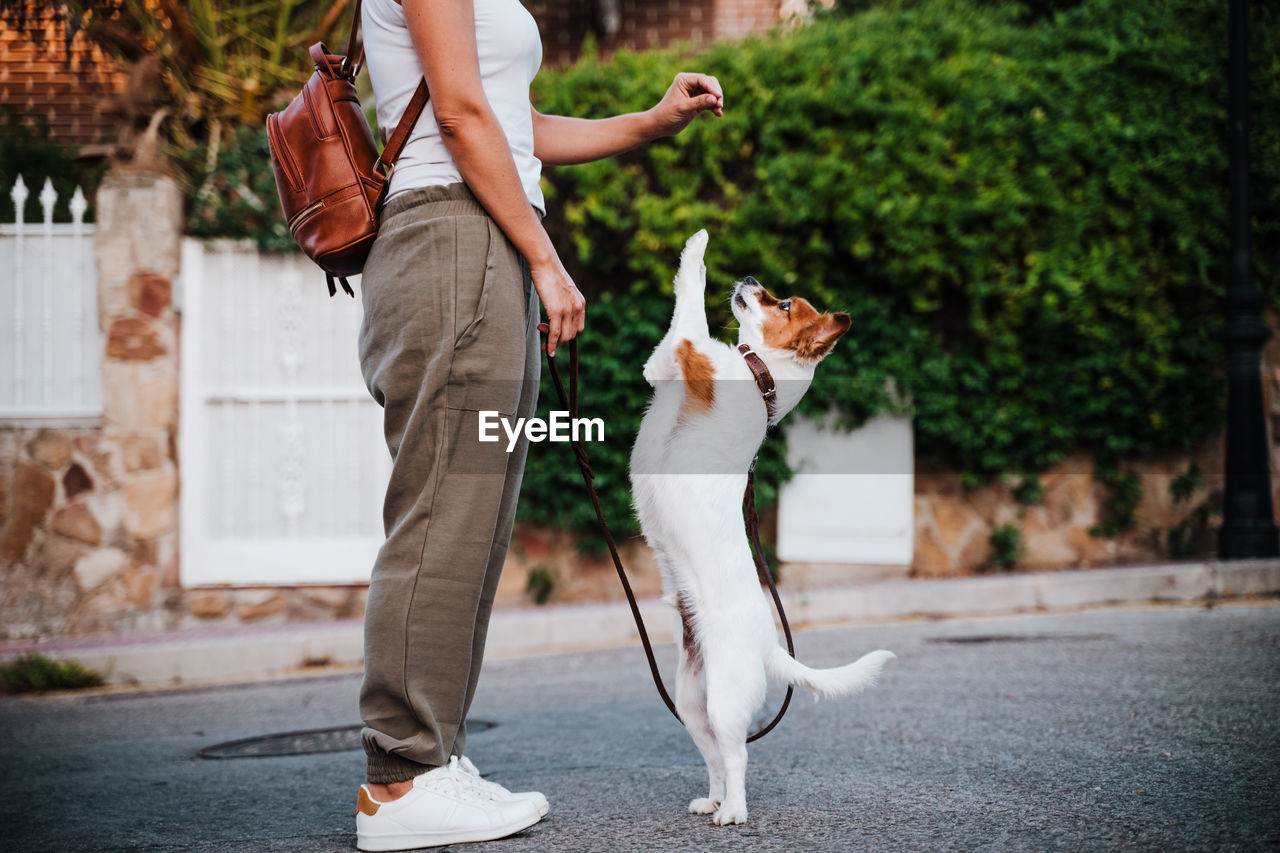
(450, 329)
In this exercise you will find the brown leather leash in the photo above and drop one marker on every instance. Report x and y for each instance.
(765, 383)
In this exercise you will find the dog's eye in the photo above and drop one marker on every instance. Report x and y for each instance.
(785, 305)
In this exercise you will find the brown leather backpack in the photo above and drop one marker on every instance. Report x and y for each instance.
(328, 171)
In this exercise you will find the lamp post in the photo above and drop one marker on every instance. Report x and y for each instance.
(1248, 526)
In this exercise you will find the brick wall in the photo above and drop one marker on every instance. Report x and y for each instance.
(73, 88)
(737, 18)
(40, 77)
(645, 24)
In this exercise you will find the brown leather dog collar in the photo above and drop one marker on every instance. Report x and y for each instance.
(764, 379)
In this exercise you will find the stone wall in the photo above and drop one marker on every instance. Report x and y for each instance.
(954, 525)
(88, 540)
(576, 577)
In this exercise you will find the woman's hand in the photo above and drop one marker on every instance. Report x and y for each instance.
(688, 95)
(565, 306)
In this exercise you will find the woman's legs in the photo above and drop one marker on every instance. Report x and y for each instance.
(526, 408)
(446, 334)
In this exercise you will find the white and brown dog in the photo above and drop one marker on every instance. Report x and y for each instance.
(688, 472)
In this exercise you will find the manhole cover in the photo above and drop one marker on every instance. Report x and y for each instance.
(309, 742)
(1018, 638)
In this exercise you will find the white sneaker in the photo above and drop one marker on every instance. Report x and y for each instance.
(445, 806)
(500, 793)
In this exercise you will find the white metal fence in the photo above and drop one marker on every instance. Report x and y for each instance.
(283, 462)
(50, 343)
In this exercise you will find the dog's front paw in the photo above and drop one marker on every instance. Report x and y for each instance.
(703, 805)
(691, 279)
(730, 813)
(697, 243)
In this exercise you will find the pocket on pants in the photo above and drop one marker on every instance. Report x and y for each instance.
(474, 245)
(487, 367)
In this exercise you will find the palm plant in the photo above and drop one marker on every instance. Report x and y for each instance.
(210, 65)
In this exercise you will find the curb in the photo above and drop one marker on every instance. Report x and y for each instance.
(298, 648)
(229, 654)
(1036, 592)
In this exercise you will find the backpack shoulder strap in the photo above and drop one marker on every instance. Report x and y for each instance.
(401, 134)
(355, 53)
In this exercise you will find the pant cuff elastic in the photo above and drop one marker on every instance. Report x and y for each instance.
(384, 769)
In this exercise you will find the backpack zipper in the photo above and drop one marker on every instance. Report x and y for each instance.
(302, 214)
(282, 151)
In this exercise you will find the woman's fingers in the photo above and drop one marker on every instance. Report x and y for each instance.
(706, 83)
(553, 336)
(576, 320)
(693, 81)
(690, 93)
(574, 317)
(694, 84)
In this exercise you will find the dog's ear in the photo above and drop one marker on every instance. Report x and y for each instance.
(825, 331)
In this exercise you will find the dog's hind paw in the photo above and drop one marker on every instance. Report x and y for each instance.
(728, 814)
(703, 805)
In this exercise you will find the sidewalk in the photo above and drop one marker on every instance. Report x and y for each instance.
(256, 652)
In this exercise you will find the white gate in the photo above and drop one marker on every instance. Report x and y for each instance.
(282, 458)
(50, 343)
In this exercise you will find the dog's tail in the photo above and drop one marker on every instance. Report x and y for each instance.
(836, 681)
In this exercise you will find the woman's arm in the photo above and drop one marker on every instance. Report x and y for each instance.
(562, 141)
(444, 37)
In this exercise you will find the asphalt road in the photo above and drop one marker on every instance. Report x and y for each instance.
(1137, 729)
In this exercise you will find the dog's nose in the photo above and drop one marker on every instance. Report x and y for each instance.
(751, 281)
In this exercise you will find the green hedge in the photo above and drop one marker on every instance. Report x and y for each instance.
(238, 196)
(1024, 214)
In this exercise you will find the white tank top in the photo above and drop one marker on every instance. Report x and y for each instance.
(510, 51)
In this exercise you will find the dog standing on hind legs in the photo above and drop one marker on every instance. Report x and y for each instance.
(689, 469)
